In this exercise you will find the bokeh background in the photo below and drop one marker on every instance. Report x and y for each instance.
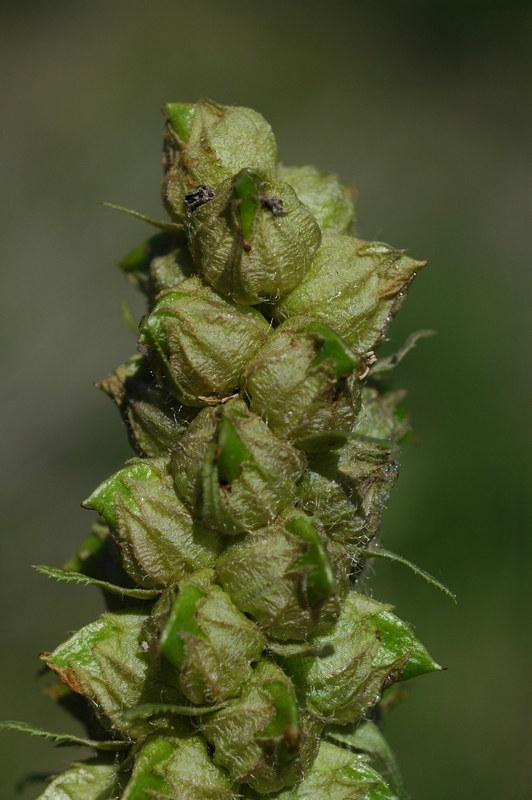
(425, 106)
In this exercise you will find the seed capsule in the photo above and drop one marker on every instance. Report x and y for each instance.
(255, 240)
(303, 382)
(355, 286)
(327, 198)
(233, 471)
(206, 143)
(154, 419)
(201, 343)
(104, 663)
(371, 649)
(345, 490)
(206, 644)
(258, 738)
(284, 578)
(161, 543)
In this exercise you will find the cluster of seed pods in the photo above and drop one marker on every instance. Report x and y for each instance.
(238, 657)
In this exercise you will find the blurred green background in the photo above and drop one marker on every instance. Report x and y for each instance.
(425, 106)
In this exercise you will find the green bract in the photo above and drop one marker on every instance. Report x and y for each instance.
(284, 578)
(304, 382)
(161, 542)
(254, 240)
(154, 420)
(233, 471)
(91, 780)
(207, 645)
(355, 286)
(237, 657)
(338, 774)
(105, 663)
(207, 143)
(170, 765)
(370, 650)
(258, 738)
(327, 198)
(200, 342)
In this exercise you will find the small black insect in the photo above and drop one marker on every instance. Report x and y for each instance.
(198, 197)
(210, 749)
(273, 204)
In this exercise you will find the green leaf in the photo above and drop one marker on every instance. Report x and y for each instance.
(323, 441)
(160, 541)
(78, 577)
(64, 739)
(252, 752)
(283, 731)
(191, 773)
(354, 286)
(302, 382)
(153, 421)
(146, 779)
(91, 550)
(106, 663)
(201, 343)
(327, 198)
(332, 440)
(382, 444)
(207, 643)
(300, 650)
(345, 684)
(338, 774)
(262, 574)
(371, 650)
(266, 484)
